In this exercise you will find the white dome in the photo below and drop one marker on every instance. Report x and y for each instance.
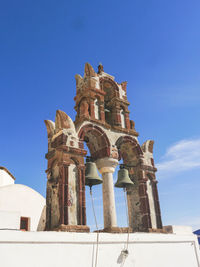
(23, 201)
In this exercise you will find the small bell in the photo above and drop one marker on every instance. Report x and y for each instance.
(91, 175)
(123, 179)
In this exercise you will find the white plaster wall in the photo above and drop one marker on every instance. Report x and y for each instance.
(50, 249)
(147, 158)
(23, 200)
(5, 178)
(151, 204)
(96, 109)
(72, 196)
(123, 122)
(121, 91)
(9, 220)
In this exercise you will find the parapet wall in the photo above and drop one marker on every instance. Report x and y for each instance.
(58, 249)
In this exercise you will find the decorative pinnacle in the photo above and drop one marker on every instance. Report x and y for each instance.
(100, 68)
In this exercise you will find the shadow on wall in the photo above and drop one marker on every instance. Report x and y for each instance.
(42, 221)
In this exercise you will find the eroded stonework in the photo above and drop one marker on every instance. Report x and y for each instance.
(103, 123)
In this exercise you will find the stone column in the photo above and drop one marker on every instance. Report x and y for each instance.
(106, 167)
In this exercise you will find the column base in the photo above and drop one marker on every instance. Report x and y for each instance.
(72, 228)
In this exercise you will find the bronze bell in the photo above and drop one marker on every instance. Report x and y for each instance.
(91, 175)
(123, 179)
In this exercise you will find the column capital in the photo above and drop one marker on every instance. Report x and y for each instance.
(106, 165)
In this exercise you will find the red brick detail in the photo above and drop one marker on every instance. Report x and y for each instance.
(102, 113)
(59, 140)
(127, 121)
(117, 119)
(63, 193)
(104, 152)
(83, 197)
(144, 205)
(80, 222)
(92, 115)
(84, 108)
(132, 124)
(124, 85)
(81, 145)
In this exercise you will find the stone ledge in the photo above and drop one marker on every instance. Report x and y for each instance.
(122, 230)
(115, 230)
(178, 229)
(159, 231)
(72, 228)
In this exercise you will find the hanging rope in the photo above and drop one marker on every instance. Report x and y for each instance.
(125, 199)
(95, 218)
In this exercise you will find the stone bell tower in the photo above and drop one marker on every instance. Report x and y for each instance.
(103, 123)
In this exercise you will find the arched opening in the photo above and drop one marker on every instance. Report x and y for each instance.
(98, 146)
(97, 109)
(120, 202)
(111, 90)
(123, 121)
(96, 139)
(130, 152)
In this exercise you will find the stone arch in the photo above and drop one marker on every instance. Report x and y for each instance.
(137, 198)
(96, 140)
(108, 80)
(129, 150)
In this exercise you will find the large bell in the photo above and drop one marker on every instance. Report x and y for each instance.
(123, 179)
(91, 175)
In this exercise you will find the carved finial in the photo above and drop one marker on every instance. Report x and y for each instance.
(89, 71)
(63, 121)
(79, 82)
(50, 127)
(100, 68)
(148, 146)
(124, 85)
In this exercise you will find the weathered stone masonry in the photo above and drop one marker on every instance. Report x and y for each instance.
(103, 123)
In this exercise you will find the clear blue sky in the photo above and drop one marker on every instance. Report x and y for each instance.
(153, 44)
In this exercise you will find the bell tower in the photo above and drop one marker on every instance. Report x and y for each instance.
(103, 123)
